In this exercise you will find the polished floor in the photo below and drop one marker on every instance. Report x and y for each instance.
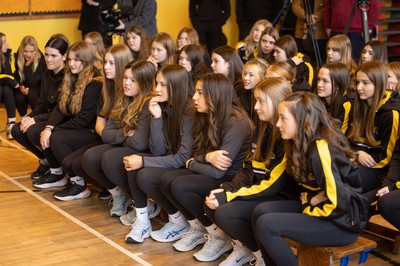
(37, 229)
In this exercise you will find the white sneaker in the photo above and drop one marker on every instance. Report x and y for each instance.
(258, 260)
(190, 240)
(152, 209)
(169, 232)
(213, 248)
(239, 256)
(140, 230)
(120, 205)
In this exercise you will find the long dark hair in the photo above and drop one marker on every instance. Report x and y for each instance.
(313, 122)
(222, 103)
(180, 90)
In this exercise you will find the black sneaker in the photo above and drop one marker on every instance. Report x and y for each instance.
(104, 194)
(51, 180)
(42, 170)
(72, 192)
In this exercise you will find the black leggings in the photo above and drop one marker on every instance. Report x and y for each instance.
(274, 220)
(371, 178)
(63, 142)
(7, 93)
(34, 138)
(24, 139)
(22, 101)
(91, 164)
(389, 207)
(72, 164)
(114, 170)
(234, 218)
(156, 182)
(190, 190)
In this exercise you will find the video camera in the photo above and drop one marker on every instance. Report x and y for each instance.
(111, 17)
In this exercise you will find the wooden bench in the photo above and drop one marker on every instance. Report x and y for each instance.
(321, 256)
(385, 232)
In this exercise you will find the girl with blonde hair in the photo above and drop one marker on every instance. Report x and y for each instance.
(29, 68)
(247, 49)
(338, 49)
(115, 60)
(72, 121)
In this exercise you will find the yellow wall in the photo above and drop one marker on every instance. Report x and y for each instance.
(171, 17)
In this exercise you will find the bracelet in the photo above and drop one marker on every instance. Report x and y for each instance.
(49, 128)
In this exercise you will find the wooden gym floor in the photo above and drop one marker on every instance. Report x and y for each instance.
(37, 229)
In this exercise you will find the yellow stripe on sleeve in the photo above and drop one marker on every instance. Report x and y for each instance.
(327, 209)
(265, 184)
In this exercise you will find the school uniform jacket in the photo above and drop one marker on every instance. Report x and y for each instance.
(6, 76)
(254, 180)
(32, 78)
(332, 172)
(386, 130)
(236, 139)
(49, 93)
(393, 176)
(86, 118)
(163, 157)
(114, 135)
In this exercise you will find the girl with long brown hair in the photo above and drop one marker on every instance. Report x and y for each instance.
(331, 210)
(72, 121)
(126, 132)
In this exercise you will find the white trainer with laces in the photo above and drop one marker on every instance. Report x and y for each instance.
(140, 231)
(213, 248)
(170, 232)
(190, 240)
(120, 205)
(239, 256)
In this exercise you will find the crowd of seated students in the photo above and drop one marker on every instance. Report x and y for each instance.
(253, 138)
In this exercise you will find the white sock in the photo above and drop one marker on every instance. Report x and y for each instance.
(56, 171)
(215, 231)
(141, 214)
(11, 120)
(196, 225)
(78, 180)
(22, 117)
(115, 191)
(178, 218)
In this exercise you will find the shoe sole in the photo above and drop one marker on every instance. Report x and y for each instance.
(219, 254)
(193, 246)
(163, 240)
(242, 261)
(60, 183)
(83, 195)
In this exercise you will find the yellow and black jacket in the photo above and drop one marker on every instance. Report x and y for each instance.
(393, 177)
(386, 129)
(332, 172)
(255, 181)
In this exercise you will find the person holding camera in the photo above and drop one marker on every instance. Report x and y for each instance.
(90, 16)
(138, 12)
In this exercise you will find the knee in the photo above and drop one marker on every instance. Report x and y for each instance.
(16, 131)
(89, 161)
